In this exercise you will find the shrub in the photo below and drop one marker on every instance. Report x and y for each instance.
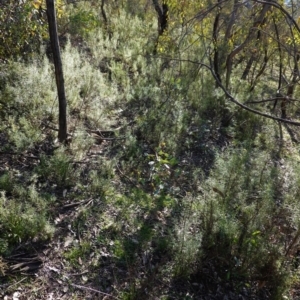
(233, 223)
(57, 169)
(23, 217)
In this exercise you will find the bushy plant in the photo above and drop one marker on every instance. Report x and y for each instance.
(57, 169)
(28, 98)
(6, 182)
(233, 222)
(100, 180)
(82, 20)
(22, 29)
(78, 252)
(23, 217)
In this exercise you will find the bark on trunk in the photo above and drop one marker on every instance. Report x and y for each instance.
(62, 128)
(256, 24)
(216, 50)
(162, 18)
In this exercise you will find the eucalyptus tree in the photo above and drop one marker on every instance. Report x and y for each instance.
(240, 41)
(62, 130)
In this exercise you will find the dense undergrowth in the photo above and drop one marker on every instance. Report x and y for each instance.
(191, 196)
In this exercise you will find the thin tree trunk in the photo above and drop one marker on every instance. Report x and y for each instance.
(105, 20)
(162, 17)
(256, 24)
(162, 14)
(232, 20)
(261, 71)
(216, 50)
(248, 67)
(252, 58)
(62, 128)
(279, 94)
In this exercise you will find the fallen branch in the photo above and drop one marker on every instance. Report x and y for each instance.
(97, 134)
(136, 184)
(8, 285)
(74, 204)
(92, 290)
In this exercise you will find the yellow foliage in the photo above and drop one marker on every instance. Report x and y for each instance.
(59, 5)
(37, 3)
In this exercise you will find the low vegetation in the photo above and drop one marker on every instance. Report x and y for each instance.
(164, 189)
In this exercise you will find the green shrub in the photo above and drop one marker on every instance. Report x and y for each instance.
(100, 180)
(78, 252)
(82, 21)
(24, 218)
(232, 222)
(57, 169)
(6, 182)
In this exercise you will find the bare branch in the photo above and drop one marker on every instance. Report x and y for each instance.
(232, 99)
(284, 11)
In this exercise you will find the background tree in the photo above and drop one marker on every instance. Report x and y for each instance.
(22, 28)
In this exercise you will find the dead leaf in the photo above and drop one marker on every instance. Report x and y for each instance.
(216, 190)
(69, 240)
(54, 269)
(16, 295)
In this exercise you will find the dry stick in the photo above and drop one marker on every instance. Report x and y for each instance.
(204, 12)
(70, 205)
(272, 99)
(9, 286)
(108, 139)
(92, 290)
(232, 99)
(78, 274)
(293, 243)
(97, 132)
(128, 178)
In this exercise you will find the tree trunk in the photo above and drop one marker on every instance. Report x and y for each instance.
(162, 17)
(105, 20)
(256, 24)
(162, 14)
(261, 71)
(62, 128)
(216, 61)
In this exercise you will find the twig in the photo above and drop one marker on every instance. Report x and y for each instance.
(98, 133)
(21, 154)
(108, 139)
(293, 243)
(9, 286)
(271, 99)
(128, 178)
(78, 274)
(92, 290)
(70, 205)
(233, 99)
